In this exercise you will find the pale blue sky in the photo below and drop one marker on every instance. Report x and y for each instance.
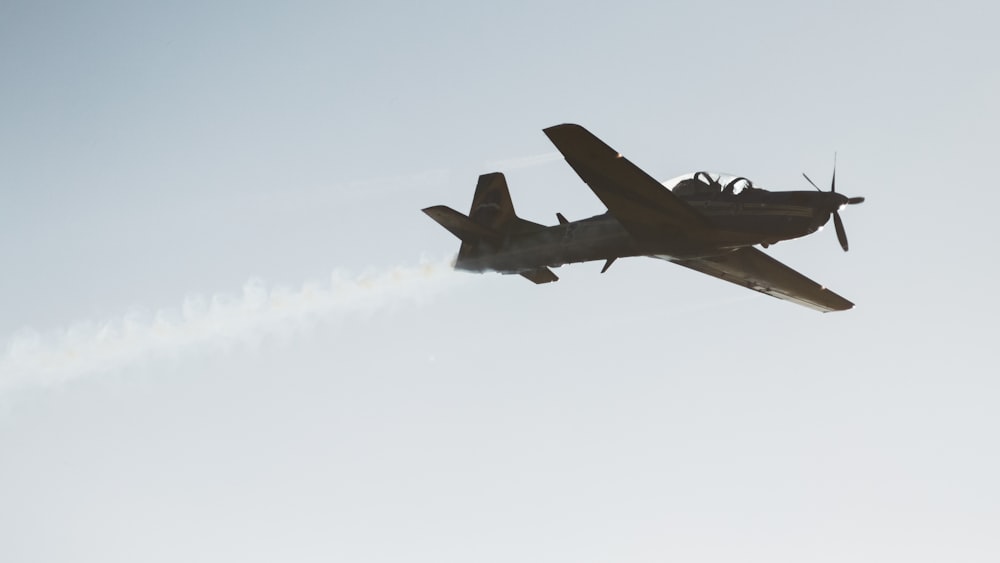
(156, 155)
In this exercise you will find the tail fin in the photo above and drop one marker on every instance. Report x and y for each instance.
(490, 219)
(493, 209)
(491, 206)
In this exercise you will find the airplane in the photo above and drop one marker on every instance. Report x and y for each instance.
(699, 223)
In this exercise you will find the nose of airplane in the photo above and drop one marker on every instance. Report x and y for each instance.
(837, 201)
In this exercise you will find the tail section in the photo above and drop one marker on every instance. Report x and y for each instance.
(492, 207)
(461, 226)
(491, 219)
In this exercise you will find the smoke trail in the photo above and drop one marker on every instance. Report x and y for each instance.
(87, 347)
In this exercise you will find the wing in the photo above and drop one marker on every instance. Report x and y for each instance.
(642, 205)
(753, 269)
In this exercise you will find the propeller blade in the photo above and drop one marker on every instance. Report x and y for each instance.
(811, 182)
(855, 200)
(833, 180)
(841, 234)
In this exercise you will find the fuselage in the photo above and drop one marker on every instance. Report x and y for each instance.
(733, 220)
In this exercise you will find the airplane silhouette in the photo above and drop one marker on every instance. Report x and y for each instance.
(700, 223)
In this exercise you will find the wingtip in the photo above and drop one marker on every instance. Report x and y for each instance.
(575, 141)
(557, 126)
(562, 127)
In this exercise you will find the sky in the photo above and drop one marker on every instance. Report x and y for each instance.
(227, 333)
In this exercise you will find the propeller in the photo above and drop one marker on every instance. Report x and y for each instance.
(837, 222)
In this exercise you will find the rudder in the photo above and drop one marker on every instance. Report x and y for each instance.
(491, 219)
(492, 207)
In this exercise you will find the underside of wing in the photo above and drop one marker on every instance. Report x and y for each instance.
(753, 269)
(642, 205)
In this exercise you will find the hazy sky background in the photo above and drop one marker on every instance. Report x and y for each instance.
(229, 335)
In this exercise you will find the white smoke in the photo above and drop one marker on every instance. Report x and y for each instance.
(84, 348)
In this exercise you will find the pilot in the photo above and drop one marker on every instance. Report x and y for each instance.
(713, 184)
(701, 184)
(731, 186)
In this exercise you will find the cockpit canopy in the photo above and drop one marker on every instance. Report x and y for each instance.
(709, 184)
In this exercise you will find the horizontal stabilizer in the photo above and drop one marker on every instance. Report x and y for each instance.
(460, 225)
(540, 275)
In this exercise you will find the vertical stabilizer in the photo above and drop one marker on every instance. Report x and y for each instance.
(491, 219)
(491, 206)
